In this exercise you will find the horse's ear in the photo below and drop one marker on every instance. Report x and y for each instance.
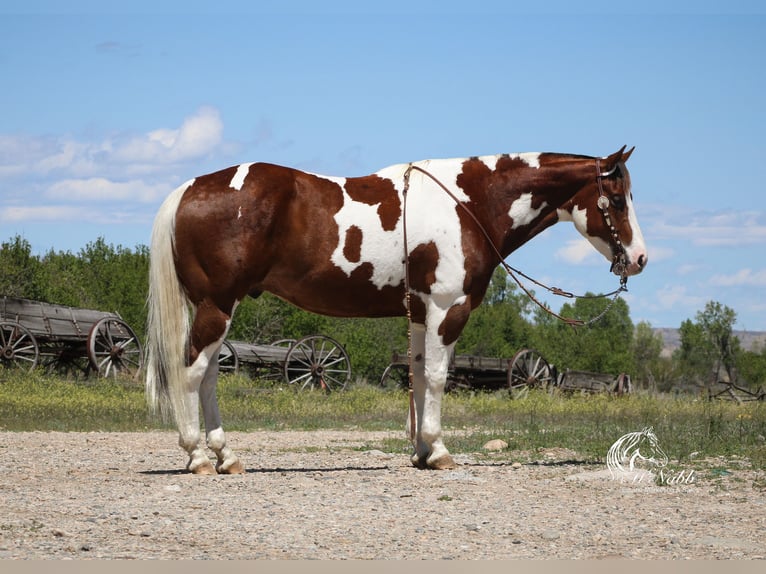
(609, 163)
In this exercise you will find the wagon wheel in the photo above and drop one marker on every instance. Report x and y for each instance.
(228, 361)
(114, 349)
(317, 361)
(528, 369)
(18, 347)
(65, 359)
(396, 376)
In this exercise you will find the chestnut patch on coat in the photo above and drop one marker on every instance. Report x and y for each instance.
(423, 261)
(375, 190)
(352, 249)
(453, 323)
(474, 178)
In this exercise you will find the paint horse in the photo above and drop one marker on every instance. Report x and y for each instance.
(337, 246)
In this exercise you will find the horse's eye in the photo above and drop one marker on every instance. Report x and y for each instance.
(618, 201)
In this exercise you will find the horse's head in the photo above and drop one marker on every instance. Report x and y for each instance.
(602, 211)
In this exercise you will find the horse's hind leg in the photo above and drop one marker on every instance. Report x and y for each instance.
(208, 331)
(187, 418)
(228, 463)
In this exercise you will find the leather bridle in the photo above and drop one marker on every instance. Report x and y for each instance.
(620, 257)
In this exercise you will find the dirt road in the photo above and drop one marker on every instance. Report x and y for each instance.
(328, 495)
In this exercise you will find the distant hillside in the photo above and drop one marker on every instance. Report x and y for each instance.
(750, 340)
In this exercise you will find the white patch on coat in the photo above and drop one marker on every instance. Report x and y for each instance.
(431, 218)
(239, 178)
(633, 250)
(532, 159)
(580, 219)
(636, 246)
(521, 211)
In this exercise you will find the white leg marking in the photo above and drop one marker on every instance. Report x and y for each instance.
(198, 386)
(188, 420)
(216, 439)
(431, 379)
(419, 388)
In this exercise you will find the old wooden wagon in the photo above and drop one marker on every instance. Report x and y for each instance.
(526, 370)
(727, 390)
(312, 362)
(67, 340)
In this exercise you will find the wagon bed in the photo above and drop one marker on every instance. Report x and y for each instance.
(53, 322)
(527, 369)
(312, 362)
(66, 339)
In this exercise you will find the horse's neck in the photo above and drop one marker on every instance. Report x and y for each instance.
(530, 188)
(535, 199)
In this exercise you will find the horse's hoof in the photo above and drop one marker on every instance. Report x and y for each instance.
(235, 468)
(444, 462)
(205, 468)
(419, 461)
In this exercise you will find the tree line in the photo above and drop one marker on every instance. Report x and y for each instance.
(108, 278)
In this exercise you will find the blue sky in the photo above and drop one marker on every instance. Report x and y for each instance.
(106, 109)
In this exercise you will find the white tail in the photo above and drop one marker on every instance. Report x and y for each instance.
(168, 316)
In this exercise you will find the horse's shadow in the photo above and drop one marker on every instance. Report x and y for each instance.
(279, 469)
(308, 470)
(546, 463)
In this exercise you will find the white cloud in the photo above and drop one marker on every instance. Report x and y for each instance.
(41, 213)
(102, 189)
(579, 252)
(659, 253)
(688, 269)
(675, 296)
(104, 180)
(746, 277)
(711, 229)
(114, 156)
(198, 135)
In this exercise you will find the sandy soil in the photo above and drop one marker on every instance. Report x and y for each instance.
(327, 495)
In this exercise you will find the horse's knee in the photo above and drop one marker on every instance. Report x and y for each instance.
(436, 376)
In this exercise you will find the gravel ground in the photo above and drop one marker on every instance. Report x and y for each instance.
(321, 495)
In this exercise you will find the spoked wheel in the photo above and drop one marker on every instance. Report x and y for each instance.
(65, 359)
(396, 376)
(529, 370)
(317, 362)
(114, 349)
(228, 361)
(18, 347)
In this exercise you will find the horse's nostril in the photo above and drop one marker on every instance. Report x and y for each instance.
(641, 261)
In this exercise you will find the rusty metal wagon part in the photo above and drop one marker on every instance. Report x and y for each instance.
(67, 340)
(312, 362)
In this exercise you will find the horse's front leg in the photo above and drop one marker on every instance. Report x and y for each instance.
(430, 366)
(228, 463)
